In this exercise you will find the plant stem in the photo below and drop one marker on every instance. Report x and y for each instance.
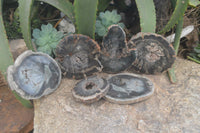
(172, 75)
(195, 60)
(176, 46)
(178, 35)
(181, 7)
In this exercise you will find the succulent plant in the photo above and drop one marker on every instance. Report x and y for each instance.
(105, 20)
(47, 38)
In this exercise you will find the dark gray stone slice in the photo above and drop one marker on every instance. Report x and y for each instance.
(128, 88)
(34, 75)
(114, 54)
(77, 56)
(153, 53)
(91, 89)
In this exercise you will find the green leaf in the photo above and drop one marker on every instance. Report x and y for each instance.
(25, 7)
(6, 58)
(176, 47)
(172, 75)
(178, 35)
(36, 33)
(24, 102)
(194, 59)
(103, 4)
(85, 15)
(42, 41)
(105, 20)
(194, 3)
(47, 28)
(147, 15)
(197, 50)
(45, 49)
(121, 25)
(101, 31)
(98, 24)
(173, 2)
(179, 11)
(63, 5)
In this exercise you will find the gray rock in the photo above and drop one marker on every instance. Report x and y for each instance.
(66, 26)
(17, 47)
(173, 108)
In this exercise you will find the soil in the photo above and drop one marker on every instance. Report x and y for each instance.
(14, 118)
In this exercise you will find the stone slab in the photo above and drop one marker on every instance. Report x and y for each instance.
(14, 118)
(174, 108)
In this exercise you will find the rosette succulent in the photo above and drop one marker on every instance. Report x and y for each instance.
(104, 20)
(47, 38)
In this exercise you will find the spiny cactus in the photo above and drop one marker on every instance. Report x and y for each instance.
(105, 20)
(47, 38)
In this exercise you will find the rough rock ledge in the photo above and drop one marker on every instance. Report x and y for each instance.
(174, 108)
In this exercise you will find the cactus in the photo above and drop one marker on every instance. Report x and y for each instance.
(105, 20)
(47, 38)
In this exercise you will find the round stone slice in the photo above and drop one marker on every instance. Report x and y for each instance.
(128, 88)
(153, 53)
(77, 56)
(114, 54)
(33, 75)
(90, 90)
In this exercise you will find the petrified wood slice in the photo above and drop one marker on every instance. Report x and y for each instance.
(77, 56)
(114, 55)
(128, 88)
(34, 75)
(91, 89)
(153, 53)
